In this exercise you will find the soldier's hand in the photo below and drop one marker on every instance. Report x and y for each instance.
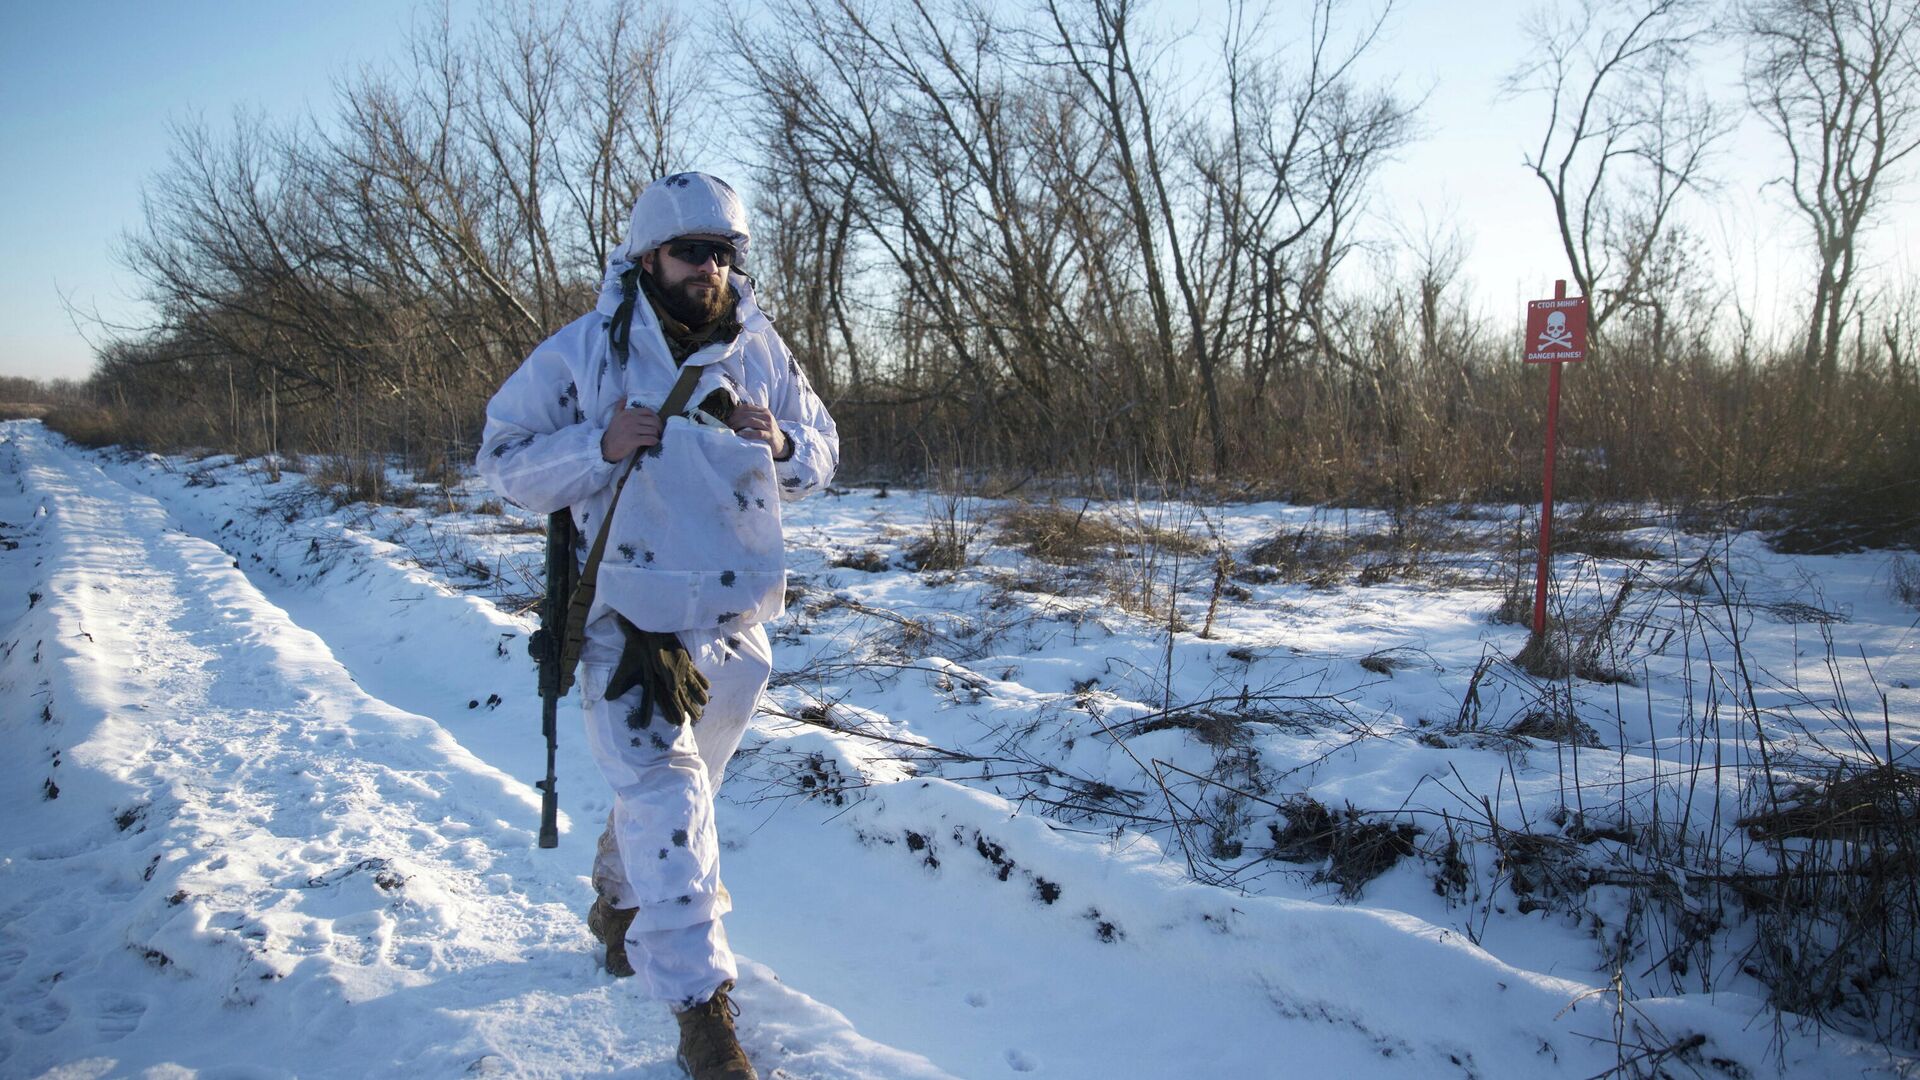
(630, 430)
(756, 423)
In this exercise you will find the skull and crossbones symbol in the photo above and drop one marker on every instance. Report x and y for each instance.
(1556, 335)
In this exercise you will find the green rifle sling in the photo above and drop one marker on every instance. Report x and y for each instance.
(583, 592)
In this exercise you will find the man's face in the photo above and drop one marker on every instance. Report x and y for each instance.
(696, 293)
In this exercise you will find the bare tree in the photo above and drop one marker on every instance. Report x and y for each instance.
(1624, 137)
(389, 266)
(635, 109)
(1290, 171)
(1838, 81)
(921, 174)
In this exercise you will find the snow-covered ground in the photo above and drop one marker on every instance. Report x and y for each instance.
(269, 806)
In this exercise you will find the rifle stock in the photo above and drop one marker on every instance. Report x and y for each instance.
(544, 647)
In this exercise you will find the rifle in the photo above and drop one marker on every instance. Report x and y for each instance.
(545, 648)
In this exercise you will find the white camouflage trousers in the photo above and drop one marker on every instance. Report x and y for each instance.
(659, 852)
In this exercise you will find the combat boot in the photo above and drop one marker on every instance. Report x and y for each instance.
(709, 1049)
(609, 925)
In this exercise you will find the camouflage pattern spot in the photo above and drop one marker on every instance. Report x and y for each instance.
(500, 450)
(663, 853)
(658, 742)
(627, 552)
(728, 616)
(638, 719)
(685, 901)
(741, 499)
(727, 577)
(679, 838)
(791, 482)
(649, 556)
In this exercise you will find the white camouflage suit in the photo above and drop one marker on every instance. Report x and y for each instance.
(694, 549)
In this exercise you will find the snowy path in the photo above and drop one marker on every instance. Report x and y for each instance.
(223, 853)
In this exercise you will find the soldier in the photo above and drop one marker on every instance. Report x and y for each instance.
(674, 656)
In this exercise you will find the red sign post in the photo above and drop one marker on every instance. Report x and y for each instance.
(1556, 334)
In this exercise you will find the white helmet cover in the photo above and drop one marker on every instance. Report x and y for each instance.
(682, 205)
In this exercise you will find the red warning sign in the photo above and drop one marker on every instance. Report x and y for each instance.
(1557, 330)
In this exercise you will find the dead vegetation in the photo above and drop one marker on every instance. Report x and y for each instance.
(951, 532)
(1413, 544)
(1734, 864)
(1354, 848)
(865, 560)
(360, 479)
(1601, 531)
(1074, 536)
(1137, 555)
(1905, 581)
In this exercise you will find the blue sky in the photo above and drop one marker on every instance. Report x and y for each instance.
(88, 90)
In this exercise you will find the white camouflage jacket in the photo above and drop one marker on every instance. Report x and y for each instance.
(695, 542)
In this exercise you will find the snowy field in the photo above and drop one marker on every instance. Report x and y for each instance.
(269, 806)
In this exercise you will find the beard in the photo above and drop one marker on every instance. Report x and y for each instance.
(696, 308)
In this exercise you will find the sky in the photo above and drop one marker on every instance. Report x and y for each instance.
(89, 89)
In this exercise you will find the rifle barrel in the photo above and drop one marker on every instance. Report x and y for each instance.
(546, 646)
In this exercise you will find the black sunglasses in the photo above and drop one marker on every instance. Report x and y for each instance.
(697, 252)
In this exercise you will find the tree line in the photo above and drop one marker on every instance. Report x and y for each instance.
(1033, 240)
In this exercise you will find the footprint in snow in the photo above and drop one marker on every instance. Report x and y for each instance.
(116, 1015)
(11, 958)
(36, 1012)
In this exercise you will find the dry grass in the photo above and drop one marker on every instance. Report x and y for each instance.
(1839, 521)
(865, 560)
(1354, 848)
(1056, 534)
(1905, 581)
(1412, 546)
(1069, 536)
(1558, 725)
(357, 479)
(1599, 530)
(91, 426)
(952, 531)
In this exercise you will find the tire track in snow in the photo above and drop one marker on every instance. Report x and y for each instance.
(256, 863)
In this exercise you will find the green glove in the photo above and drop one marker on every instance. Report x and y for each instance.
(663, 669)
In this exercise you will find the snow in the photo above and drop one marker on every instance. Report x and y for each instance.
(293, 748)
